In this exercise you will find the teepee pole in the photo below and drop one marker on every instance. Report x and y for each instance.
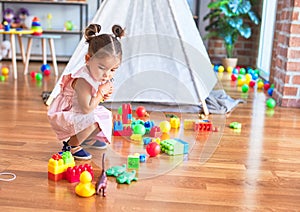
(204, 106)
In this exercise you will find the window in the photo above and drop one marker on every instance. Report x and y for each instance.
(266, 38)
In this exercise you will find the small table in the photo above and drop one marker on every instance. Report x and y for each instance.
(43, 38)
(12, 34)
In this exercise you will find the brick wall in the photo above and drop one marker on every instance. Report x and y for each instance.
(285, 68)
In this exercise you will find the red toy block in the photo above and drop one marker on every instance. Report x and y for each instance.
(155, 132)
(73, 174)
(204, 125)
(126, 109)
(55, 177)
(127, 131)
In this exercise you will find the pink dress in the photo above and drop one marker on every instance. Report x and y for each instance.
(65, 115)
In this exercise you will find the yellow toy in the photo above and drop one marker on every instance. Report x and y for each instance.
(165, 126)
(85, 188)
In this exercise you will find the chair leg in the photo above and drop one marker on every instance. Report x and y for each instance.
(28, 55)
(53, 54)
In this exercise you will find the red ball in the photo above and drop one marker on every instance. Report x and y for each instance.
(233, 77)
(32, 74)
(47, 72)
(266, 86)
(153, 149)
(140, 111)
(252, 83)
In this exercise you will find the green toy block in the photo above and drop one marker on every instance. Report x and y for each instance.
(133, 162)
(174, 147)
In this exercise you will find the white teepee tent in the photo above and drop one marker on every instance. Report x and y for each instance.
(164, 59)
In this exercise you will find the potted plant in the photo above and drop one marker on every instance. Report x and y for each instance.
(230, 19)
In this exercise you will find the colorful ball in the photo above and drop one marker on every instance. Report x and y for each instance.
(248, 77)
(153, 149)
(233, 77)
(270, 91)
(266, 86)
(229, 69)
(47, 72)
(235, 71)
(260, 84)
(2, 78)
(271, 103)
(38, 76)
(32, 74)
(252, 83)
(139, 129)
(165, 126)
(45, 67)
(5, 71)
(245, 88)
(242, 71)
(140, 111)
(221, 69)
(216, 67)
(254, 76)
(241, 82)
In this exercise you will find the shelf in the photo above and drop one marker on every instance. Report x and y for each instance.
(45, 2)
(61, 31)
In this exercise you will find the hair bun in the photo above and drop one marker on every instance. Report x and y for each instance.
(91, 31)
(118, 31)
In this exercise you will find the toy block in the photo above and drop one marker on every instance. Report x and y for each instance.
(73, 173)
(68, 159)
(157, 140)
(118, 126)
(136, 137)
(127, 131)
(235, 125)
(56, 166)
(175, 122)
(185, 145)
(155, 132)
(188, 124)
(147, 140)
(203, 125)
(117, 117)
(56, 177)
(133, 161)
(142, 158)
(172, 147)
(126, 109)
(148, 125)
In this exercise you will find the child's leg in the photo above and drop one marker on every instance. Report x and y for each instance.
(77, 139)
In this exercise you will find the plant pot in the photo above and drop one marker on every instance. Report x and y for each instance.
(232, 62)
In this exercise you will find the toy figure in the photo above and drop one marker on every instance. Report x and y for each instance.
(11, 19)
(116, 170)
(102, 181)
(127, 177)
(22, 14)
(85, 188)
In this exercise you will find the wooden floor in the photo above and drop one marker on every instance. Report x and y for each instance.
(256, 169)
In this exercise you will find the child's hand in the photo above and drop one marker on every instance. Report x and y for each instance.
(105, 90)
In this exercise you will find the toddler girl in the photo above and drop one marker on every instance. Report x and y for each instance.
(75, 114)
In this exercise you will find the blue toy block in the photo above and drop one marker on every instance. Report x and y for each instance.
(185, 145)
(142, 158)
(147, 140)
(118, 126)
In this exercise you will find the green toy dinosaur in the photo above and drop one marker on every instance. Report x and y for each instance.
(127, 177)
(116, 170)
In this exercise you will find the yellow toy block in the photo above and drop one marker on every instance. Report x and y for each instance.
(136, 137)
(188, 124)
(175, 122)
(56, 166)
(157, 140)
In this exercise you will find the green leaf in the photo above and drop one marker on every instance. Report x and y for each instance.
(253, 17)
(244, 6)
(235, 22)
(217, 4)
(245, 31)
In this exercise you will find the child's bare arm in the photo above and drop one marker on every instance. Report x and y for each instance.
(86, 101)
